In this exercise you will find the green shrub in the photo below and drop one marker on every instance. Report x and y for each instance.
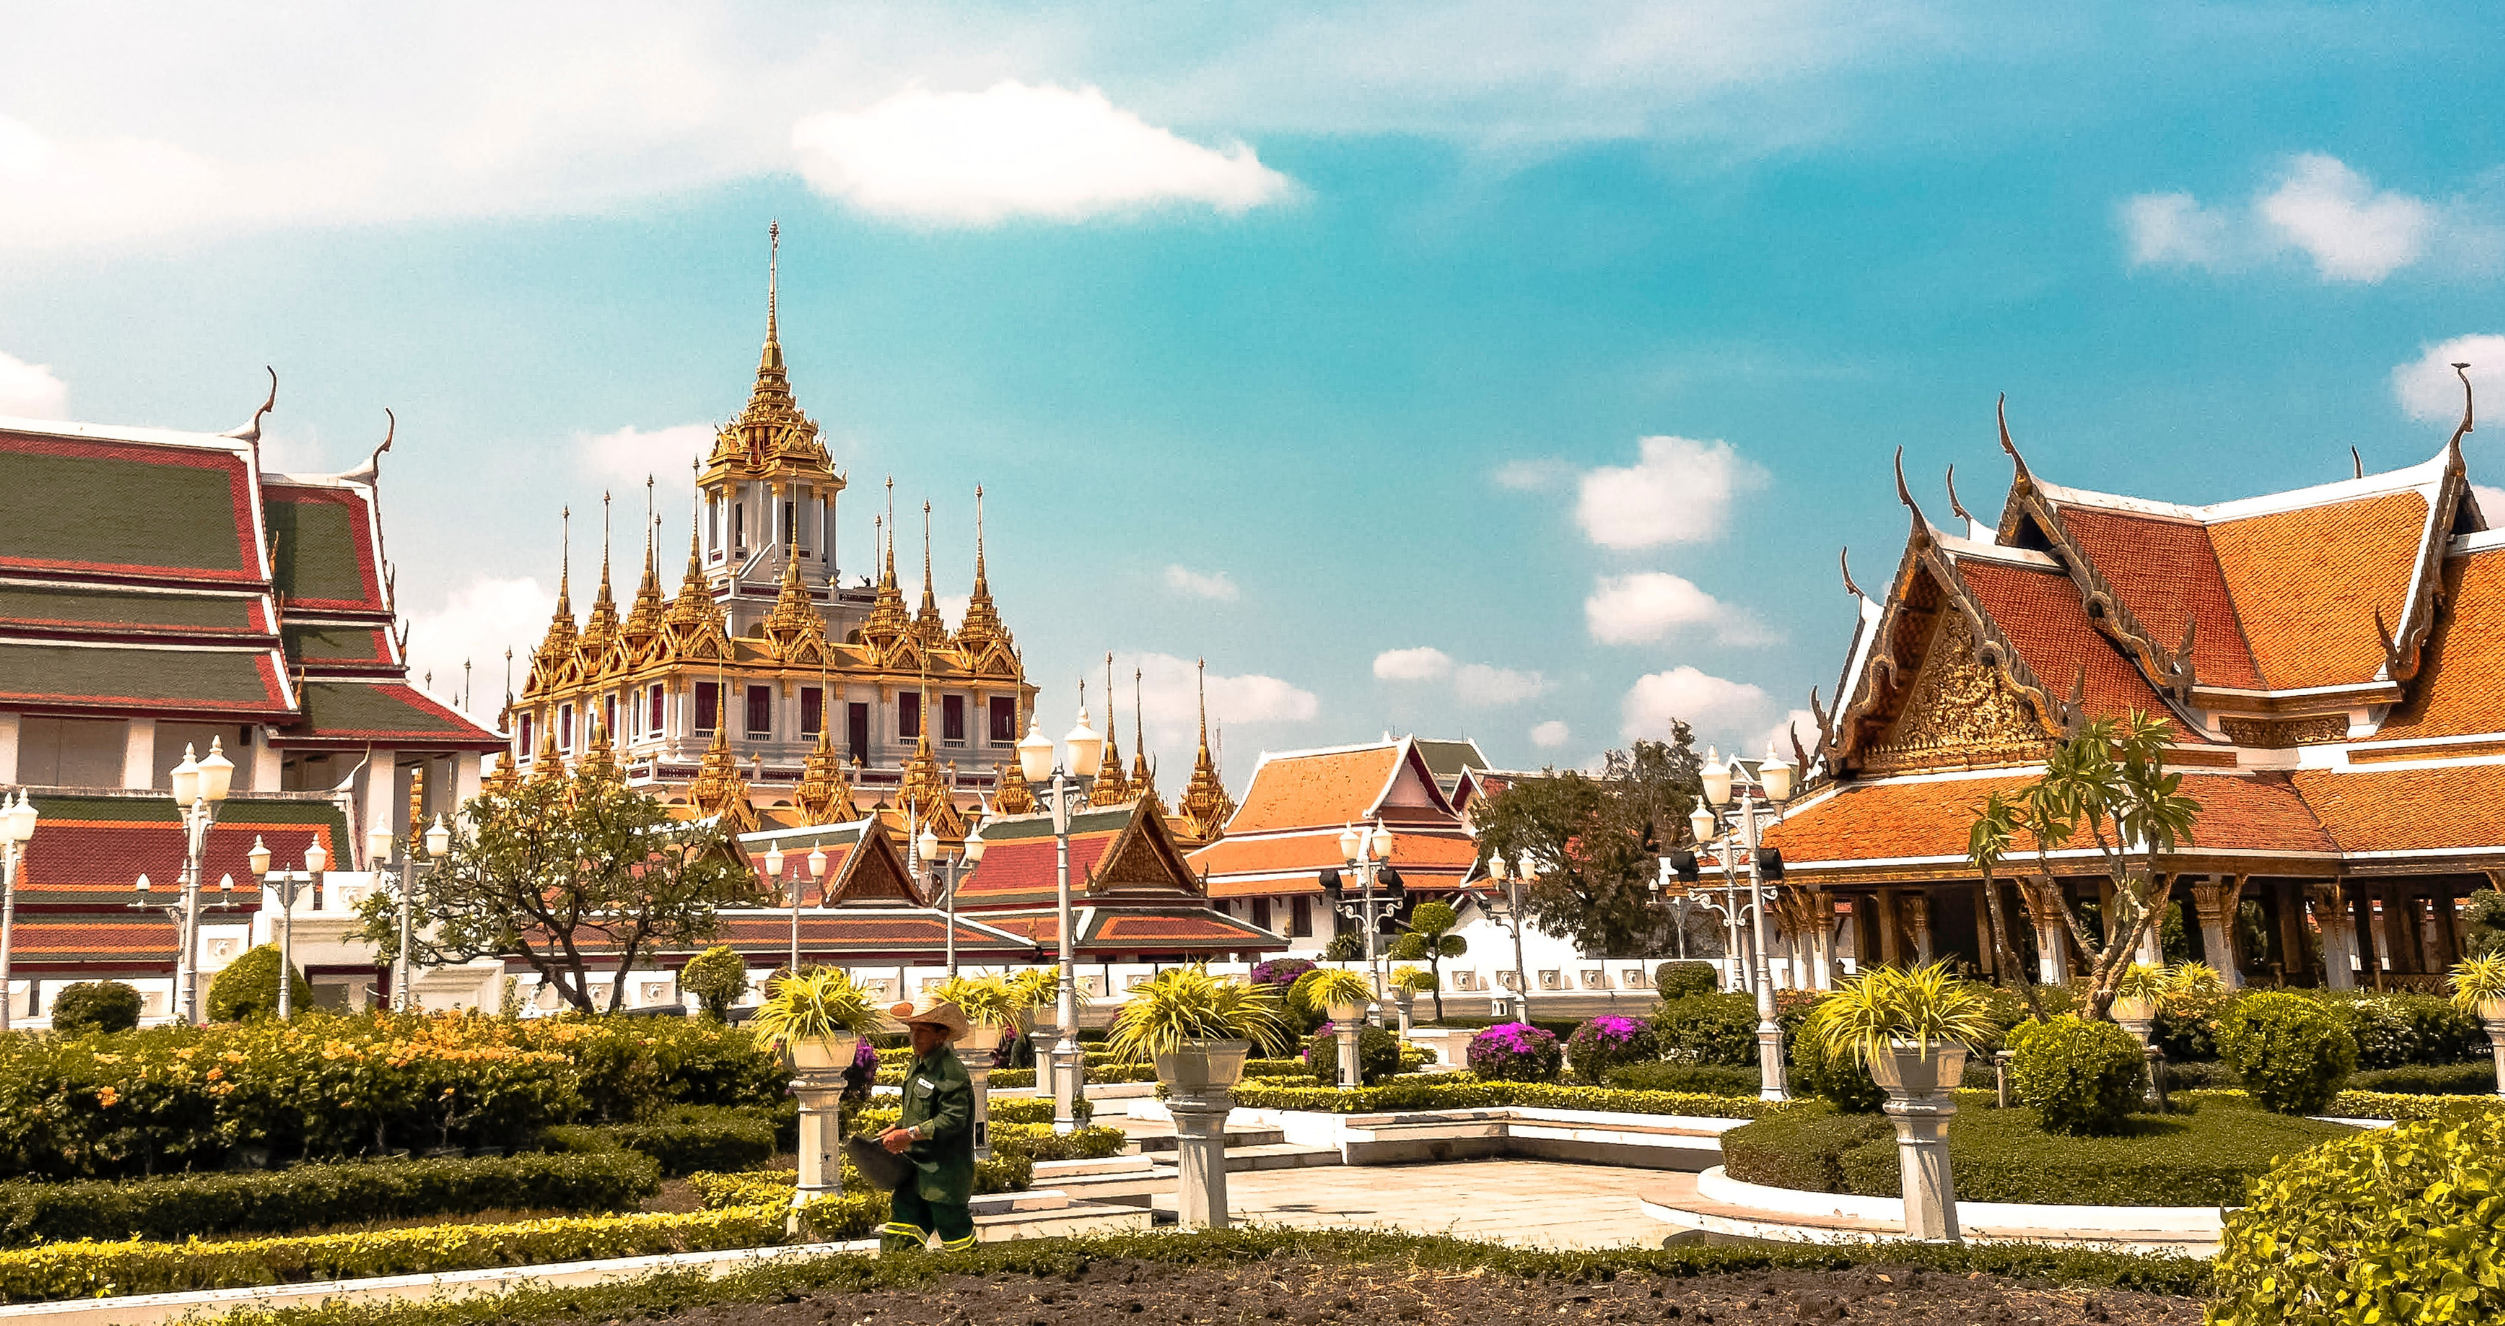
(1838, 1078)
(1678, 980)
(1271, 1068)
(2080, 1077)
(1459, 1091)
(1707, 1029)
(1378, 1056)
(247, 990)
(2392, 1225)
(2206, 1158)
(2429, 1080)
(95, 1006)
(717, 977)
(311, 1196)
(2395, 1030)
(2200, 1077)
(1706, 1079)
(2386, 1105)
(685, 1141)
(2291, 1052)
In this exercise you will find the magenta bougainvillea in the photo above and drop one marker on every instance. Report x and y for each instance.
(1608, 1042)
(1515, 1052)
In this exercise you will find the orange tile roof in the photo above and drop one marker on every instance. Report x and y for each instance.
(2456, 691)
(2306, 584)
(1425, 857)
(2389, 810)
(1899, 820)
(2041, 613)
(2166, 572)
(1300, 791)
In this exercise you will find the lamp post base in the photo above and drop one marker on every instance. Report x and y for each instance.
(1770, 1079)
(1066, 1060)
(821, 1144)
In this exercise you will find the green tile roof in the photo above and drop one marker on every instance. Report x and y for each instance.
(335, 644)
(124, 507)
(227, 681)
(381, 712)
(81, 606)
(318, 544)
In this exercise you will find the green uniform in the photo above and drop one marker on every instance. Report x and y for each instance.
(939, 1108)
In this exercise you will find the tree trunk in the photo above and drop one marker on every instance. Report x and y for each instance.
(2003, 955)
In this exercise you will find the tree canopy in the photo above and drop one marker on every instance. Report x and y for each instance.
(1595, 840)
(567, 874)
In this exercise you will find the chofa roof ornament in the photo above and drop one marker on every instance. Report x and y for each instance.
(251, 432)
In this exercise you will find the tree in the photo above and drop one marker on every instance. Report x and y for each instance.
(1995, 827)
(2106, 788)
(1595, 841)
(1430, 939)
(717, 977)
(247, 990)
(558, 871)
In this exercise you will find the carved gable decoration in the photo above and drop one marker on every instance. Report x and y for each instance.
(1143, 858)
(1959, 714)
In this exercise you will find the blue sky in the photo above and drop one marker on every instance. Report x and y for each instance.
(1500, 369)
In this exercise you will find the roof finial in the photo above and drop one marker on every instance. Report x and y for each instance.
(978, 538)
(2000, 412)
(1903, 494)
(1956, 507)
(2461, 371)
(1203, 668)
(565, 559)
(1843, 558)
(2357, 464)
(251, 432)
(604, 543)
(773, 264)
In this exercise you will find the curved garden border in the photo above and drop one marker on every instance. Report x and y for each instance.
(1724, 1205)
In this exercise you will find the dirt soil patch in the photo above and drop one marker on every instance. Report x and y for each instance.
(1311, 1293)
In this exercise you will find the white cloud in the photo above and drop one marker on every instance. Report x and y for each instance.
(629, 454)
(1169, 702)
(2322, 208)
(1650, 605)
(1550, 735)
(1201, 584)
(1678, 491)
(2428, 389)
(2491, 502)
(1480, 686)
(1014, 150)
(2352, 232)
(1717, 708)
(30, 391)
(952, 607)
(478, 622)
(1531, 476)
(1424, 663)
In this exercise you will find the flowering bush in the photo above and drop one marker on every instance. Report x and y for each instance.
(1608, 1042)
(1515, 1052)
(1281, 972)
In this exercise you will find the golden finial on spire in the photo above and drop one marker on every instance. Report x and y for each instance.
(1110, 787)
(1143, 779)
(1205, 804)
(980, 628)
(773, 268)
(928, 623)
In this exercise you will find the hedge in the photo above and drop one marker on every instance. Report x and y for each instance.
(667, 1294)
(1006, 1171)
(2207, 1158)
(1458, 1091)
(2477, 1079)
(684, 1142)
(2404, 1108)
(311, 1196)
(1705, 1079)
(1032, 1138)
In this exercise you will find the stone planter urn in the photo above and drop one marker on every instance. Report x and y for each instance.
(1919, 1081)
(2139, 1017)
(818, 1064)
(975, 1052)
(2492, 1017)
(1199, 1077)
(1347, 1020)
(1404, 999)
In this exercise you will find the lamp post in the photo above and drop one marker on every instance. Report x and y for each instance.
(971, 853)
(17, 828)
(1086, 751)
(378, 846)
(289, 885)
(200, 787)
(1772, 787)
(1507, 907)
(1367, 855)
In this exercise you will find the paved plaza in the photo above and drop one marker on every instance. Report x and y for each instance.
(1535, 1203)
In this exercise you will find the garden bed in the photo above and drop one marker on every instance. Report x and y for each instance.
(2206, 1158)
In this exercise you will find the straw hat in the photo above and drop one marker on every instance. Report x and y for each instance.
(941, 1013)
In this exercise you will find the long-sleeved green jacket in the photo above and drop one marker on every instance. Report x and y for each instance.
(939, 1108)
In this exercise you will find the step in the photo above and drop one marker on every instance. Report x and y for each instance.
(1235, 1137)
(1059, 1170)
(1280, 1155)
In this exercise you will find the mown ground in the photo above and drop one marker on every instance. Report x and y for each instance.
(1307, 1292)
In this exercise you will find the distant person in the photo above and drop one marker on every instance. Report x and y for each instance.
(936, 1133)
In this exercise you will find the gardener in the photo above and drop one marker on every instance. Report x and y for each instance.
(936, 1133)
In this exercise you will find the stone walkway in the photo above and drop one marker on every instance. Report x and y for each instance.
(1532, 1202)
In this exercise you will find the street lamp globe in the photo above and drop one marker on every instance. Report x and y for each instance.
(1035, 752)
(1716, 776)
(225, 890)
(316, 859)
(260, 857)
(18, 824)
(378, 844)
(928, 843)
(1351, 842)
(217, 774)
(439, 838)
(1382, 843)
(774, 861)
(1776, 775)
(1496, 868)
(1700, 822)
(974, 845)
(1087, 748)
(187, 779)
(817, 862)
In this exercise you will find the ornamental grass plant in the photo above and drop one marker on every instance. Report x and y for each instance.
(1189, 1004)
(2478, 981)
(986, 1001)
(814, 1004)
(1921, 1006)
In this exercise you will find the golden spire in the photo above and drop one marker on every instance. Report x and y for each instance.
(598, 757)
(824, 795)
(794, 622)
(505, 780)
(600, 627)
(928, 623)
(693, 609)
(1109, 788)
(980, 628)
(921, 792)
(1143, 780)
(1010, 794)
(888, 622)
(1205, 802)
(772, 433)
(556, 649)
(643, 622)
(719, 790)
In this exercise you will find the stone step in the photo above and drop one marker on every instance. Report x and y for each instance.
(1235, 1137)
(1128, 1163)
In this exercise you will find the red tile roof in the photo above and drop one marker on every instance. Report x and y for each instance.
(2456, 692)
(2307, 584)
(1424, 859)
(1931, 819)
(93, 849)
(2166, 573)
(2041, 613)
(1300, 791)
(1024, 870)
(2399, 810)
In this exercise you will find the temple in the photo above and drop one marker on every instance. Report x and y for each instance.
(765, 690)
(2326, 659)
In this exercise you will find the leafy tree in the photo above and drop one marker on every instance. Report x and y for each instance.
(1430, 939)
(95, 1006)
(558, 872)
(1346, 946)
(247, 989)
(717, 977)
(2483, 923)
(1595, 841)
(1995, 827)
(2104, 788)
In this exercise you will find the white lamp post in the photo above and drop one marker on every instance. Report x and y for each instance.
(1366, 854)
(1508, 905)
(774, 872)
(17, 829)
(289, 885)
(378, 848)
(1035, 760)
(969, 854)
(200, 786)
(1772, 787)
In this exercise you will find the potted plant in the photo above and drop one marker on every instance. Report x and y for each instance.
(2136, 993)
(1912, 1029)
(989, 1003)
(1340, 993)
(1197, 1028)
(2479, 987)
(816, 1018)
(1407, 984)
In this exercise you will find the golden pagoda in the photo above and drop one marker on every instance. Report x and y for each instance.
(1109, 788)
(1205, 804)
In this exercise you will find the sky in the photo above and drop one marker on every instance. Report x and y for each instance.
(1509, 371)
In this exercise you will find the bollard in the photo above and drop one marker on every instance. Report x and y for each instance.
(1199, 1078)
(1918, 1086)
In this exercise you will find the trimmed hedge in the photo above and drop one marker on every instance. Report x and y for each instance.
(1701, 1079)
(95, 1006)
(684, 1142)
(1677, 980)
(2079, 1077)
(311, 1196)
(1459, 1091)
(1006, 1171)
(2477, 1079)
(2207, 1158)
(247, 989)
(2387, 1105)
(2291, 1052)
(1707, 1028)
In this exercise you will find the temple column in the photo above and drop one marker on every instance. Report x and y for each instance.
(2152, 947)
(2379, 930)
(2339, 937)
(1991, 964)
(2296, 966)
(2448, 924)
(2214, 901)
(1891, 942)
(139, 754)
(268, 766)
(2052, 947)
(1916, 907)
(381, 792)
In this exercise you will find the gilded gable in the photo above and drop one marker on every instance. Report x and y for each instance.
(1959, 713)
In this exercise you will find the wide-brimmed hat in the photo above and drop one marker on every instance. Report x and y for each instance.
(941, 1013)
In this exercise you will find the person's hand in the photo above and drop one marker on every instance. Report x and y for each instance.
(896, 1139)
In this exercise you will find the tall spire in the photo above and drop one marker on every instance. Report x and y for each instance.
(555, 655)
(932, 627)
(888, 621)
(1143, 779)
(600, 627)
(1110, 788)
(643, 621)
(1205, 803)
(980, 628)
(772, 434)
(794, 623)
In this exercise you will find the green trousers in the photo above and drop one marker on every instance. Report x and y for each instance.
(911, 1222)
